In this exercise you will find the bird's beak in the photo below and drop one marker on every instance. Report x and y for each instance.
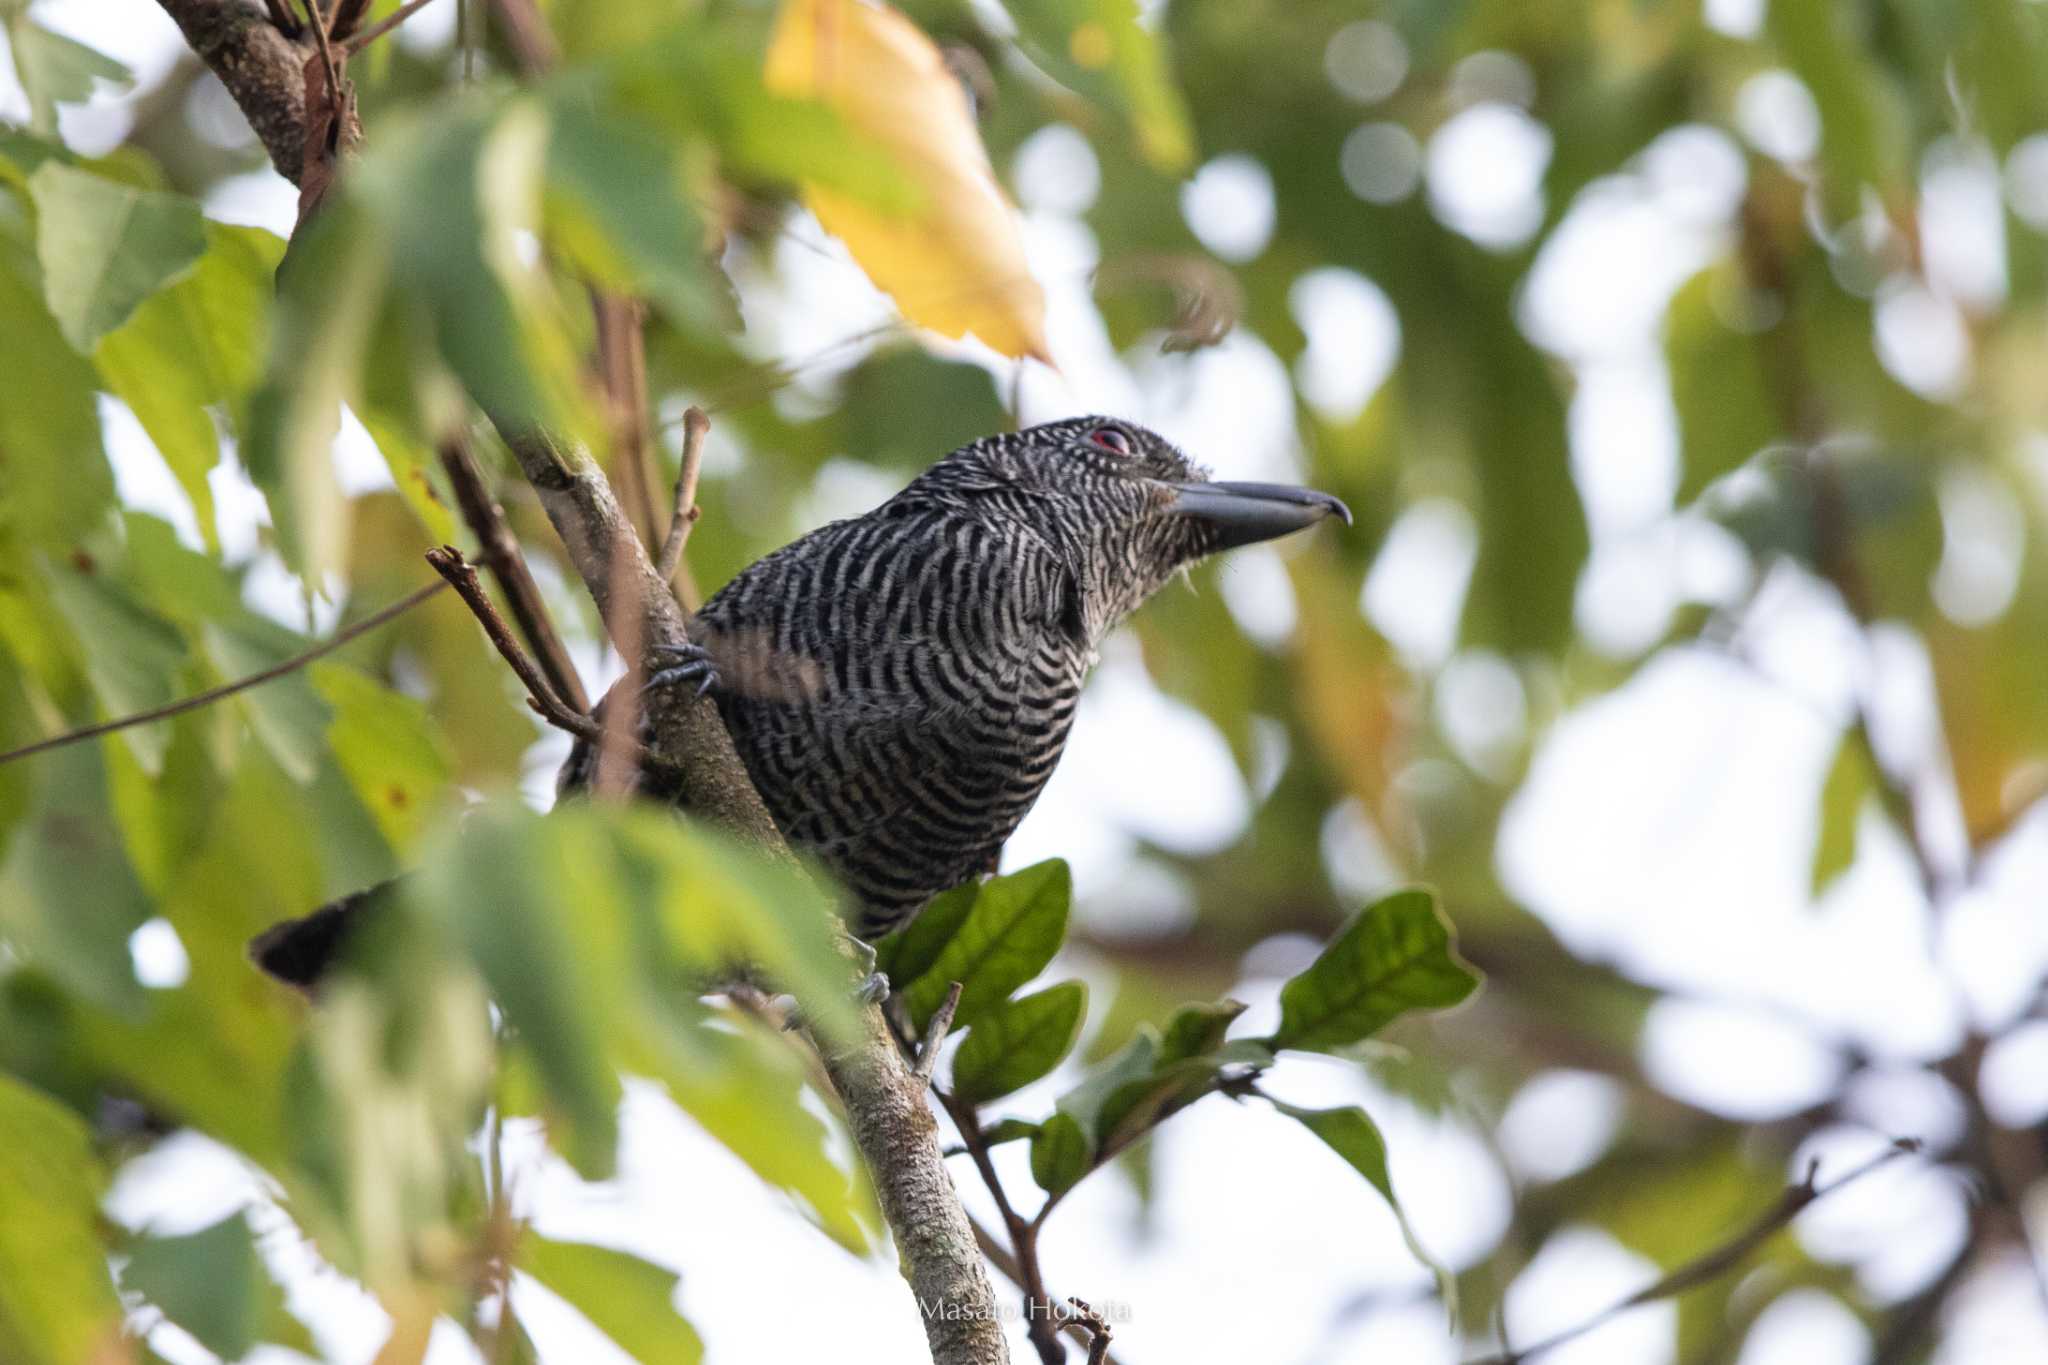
(1244, 513)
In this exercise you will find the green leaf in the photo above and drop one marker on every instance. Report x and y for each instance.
(286, 714)
(54, 479)
(537, 906)
(1197, 1029)
(1101, 49)
(194, 346)
(1863, 129)
(698, 83)
(1010, 932)
(1394, 957)
(1131, 1106)
(68, 898)
(55, 69)
(1009, 1130)
(1133, 1063)
(611, 177)
(1018, 1041)
(329, 287)
(1726, 412)
(713, 902)
(908, 954)
(902, 403)
(1851, 781)
(1351, 1134)
(455, 192)
(57, 1302)
(747, 1091)
(132, 655)
(105, 247)
(211, 1283)
(1059, 1154)
(630, 1300)
(391, 751)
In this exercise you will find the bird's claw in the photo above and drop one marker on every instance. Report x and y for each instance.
(685, 663)
(872, 990)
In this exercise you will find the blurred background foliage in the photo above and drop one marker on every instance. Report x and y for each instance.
(1622, 325)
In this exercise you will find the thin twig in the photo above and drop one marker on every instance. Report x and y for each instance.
(461, 575)
(618, 766)
(1718, 1261)
(214, 694)
(1040, 1321)
(1005, 1262)
(622, 368)
(319, 27)
(379, 29)
(1097, 1327)
(282, 18)
(347, 15)
(526, 28)
(935, 1034)
(683, 518)
(501, 555)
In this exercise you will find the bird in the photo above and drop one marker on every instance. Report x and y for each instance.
(900, 685)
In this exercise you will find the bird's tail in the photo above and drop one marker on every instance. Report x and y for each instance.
(302, 951)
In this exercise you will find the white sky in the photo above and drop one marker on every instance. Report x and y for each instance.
(1665, 828)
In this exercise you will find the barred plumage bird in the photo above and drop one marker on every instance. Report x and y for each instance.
(900, 684)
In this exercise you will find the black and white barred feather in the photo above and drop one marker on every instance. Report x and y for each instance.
(900, 685)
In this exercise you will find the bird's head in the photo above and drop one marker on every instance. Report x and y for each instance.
(1122, 503)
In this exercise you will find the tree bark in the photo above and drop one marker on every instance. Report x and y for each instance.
(259, 65)
(885, 1100)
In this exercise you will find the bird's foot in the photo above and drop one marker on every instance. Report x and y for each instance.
(686, 663)
(873, 988)
(874, 984)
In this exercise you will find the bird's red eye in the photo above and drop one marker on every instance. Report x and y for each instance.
(1110, 439)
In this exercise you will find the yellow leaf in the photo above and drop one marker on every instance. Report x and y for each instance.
(954, 262)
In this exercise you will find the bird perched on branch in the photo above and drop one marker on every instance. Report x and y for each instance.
(900, 685)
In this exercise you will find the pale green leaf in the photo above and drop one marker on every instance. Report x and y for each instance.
(1851, 782)
(1100, 48)
(1726, 410)
(390, 749)
(54, 479)
(1351, 1134)
(213, 1284)
(630, 1300)
(132, 655)
(105, 247)
(57, 1303)
(194, 349)
(55, 70)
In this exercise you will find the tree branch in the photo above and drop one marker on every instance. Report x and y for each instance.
(448, 562)
(260, 66)
(383, 26)
(499, 549)
(696, 426)
(1717, 1261)
(886, 1106)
